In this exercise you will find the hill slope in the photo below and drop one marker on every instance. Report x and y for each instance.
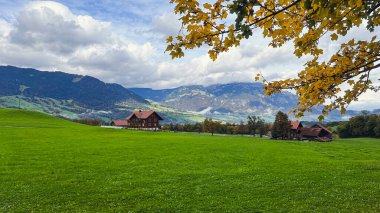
(30, 119)
(62, 86)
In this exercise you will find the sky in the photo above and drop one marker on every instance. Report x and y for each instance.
(124, 42)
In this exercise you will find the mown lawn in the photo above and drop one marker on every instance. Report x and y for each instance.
(47, 164)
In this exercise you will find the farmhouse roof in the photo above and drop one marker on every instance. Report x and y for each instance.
(319, 125)
(295, 124)
(120, 123)
(310, 131)
(143, 115)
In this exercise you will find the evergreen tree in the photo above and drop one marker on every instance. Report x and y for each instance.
(281, 127)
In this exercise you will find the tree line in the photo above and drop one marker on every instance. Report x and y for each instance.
(365, 125)
(254, 125)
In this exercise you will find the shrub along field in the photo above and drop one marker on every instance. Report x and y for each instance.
(48, 164)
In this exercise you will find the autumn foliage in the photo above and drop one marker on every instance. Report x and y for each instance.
(224, 23)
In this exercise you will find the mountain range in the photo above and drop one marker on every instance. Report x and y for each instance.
(221, 101)
(62, 86)
(77, 96)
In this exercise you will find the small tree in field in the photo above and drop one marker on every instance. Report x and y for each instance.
(281, 127)
(210, 126)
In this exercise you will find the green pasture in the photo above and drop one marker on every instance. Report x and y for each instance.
(52, 165)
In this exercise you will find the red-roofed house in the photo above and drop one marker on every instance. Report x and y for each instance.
(144, 120)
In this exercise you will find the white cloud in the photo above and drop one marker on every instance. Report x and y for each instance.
(47, 35)
(50, 26)
(368, 100)
(167, 24)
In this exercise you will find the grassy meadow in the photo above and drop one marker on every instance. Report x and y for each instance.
(48, 164)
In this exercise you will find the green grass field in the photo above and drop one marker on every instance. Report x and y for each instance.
(48, 164)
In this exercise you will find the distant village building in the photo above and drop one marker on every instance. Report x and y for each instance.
(148, 120)
(317, 132)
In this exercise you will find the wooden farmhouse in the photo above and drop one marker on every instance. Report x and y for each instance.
(317, 132)
(148, 120)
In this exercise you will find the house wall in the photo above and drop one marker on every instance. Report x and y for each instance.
(295, 133)
(152, 121)
(134, 122)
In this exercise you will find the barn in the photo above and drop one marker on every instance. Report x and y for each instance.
(317, 132)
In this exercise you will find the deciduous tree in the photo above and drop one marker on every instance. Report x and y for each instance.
(241, 128)
(365, 125)
(263, 128)
(223, 24)
(210, 126)
(253, 124)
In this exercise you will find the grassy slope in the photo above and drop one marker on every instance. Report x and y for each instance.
(60, 166)
(72, 110)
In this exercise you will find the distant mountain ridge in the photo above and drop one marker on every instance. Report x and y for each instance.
(231, 101)
(62, 86)
(231, 98)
